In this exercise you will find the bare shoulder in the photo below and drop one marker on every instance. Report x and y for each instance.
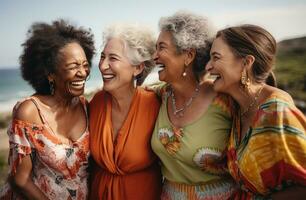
(27, 111)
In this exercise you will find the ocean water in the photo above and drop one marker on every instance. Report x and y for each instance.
(14, 88)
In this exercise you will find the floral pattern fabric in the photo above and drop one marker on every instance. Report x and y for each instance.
(59, 169)
(194, 156)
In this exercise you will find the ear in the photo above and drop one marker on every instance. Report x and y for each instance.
(190, 55)
(248, 62)
(51, 76)
(138, 69)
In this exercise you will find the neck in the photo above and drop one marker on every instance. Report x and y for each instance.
(184, 89)
(121, 100)
(59, 101)
(244, 99)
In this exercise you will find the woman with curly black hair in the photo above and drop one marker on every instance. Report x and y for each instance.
(48, 135)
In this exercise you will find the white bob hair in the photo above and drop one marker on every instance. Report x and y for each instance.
(139, 45)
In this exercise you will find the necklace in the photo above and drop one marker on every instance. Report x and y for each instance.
(253, 103)
(179, 112)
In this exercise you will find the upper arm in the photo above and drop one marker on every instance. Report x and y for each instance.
(279, 143)
(27, 112)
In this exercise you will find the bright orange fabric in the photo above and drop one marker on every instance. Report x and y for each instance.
(125, 168)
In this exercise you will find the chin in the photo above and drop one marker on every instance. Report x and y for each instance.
(77, 94)
(108, 88)
(218, 88)
(161, 76)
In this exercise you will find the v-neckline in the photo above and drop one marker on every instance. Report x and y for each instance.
(124, 124)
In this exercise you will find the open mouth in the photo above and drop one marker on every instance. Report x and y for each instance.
(214, 77)
(107, 77)
(78, 83)
(160, 67)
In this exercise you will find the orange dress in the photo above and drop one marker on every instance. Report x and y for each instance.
(124, 168)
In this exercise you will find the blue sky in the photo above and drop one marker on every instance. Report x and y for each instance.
(283, 18)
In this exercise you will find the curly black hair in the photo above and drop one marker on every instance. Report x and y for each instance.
(41, 49)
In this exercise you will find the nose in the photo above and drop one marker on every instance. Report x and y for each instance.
(103, 64)
(155, 56)
(83, 70)
(208, 66)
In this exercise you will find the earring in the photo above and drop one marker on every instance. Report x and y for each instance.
(184, 73)
(245, 80)
(51, 86)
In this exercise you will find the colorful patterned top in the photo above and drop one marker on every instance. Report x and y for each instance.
(272, 154)
(193, 157)
(59, 169)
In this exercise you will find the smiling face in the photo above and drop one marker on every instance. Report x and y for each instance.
(116, 70)
(224, 66)
(71, 72)
(169, 61)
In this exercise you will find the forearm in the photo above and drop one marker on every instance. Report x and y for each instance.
(294, 192)
(29, 190)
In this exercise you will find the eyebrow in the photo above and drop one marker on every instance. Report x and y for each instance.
(161, 43)
(75, 62)
(215, 53)
(111, 54)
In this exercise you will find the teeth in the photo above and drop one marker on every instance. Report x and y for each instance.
(213, 77)
(107, 76)
(78, 83)
(159, 66)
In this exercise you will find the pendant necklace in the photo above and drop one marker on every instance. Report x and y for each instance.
(252, 104)
(179, 112)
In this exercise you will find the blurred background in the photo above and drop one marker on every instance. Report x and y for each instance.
(285, 19)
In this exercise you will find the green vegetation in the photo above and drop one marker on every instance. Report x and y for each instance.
(290, 69)
(4, 119)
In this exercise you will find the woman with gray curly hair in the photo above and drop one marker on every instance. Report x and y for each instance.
(193, 125)
(121, 124)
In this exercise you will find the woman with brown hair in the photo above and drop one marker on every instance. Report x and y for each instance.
(267, 148)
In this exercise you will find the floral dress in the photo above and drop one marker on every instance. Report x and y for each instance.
(272, 154)
(193, 157)
(59, 169)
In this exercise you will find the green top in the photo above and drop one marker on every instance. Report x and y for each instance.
(194, 154)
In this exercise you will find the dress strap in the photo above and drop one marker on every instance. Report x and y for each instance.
(34, 100)
(85, 107)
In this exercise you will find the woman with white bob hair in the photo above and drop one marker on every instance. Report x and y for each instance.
(121, 123)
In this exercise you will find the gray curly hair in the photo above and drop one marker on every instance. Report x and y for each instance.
(190, 31)
(139, 45)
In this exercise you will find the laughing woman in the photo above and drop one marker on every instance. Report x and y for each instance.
(193, 125)
(267, 150)
(122, 118)
(49, 138)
